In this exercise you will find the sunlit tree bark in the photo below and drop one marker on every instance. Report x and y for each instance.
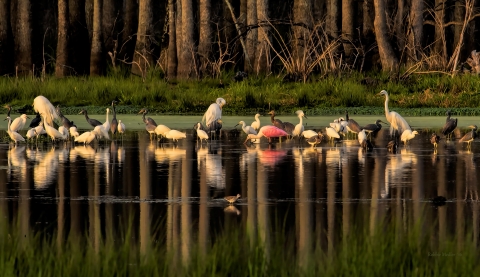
(142, 58)
(347, 26)
(387, 56)
(263, 49)
(187, 66)
(333, 13)
(172, 63)
(440, 43)
(96, 52)
(205, 40)
(61, 63)
(252, 35)
(416, 34)
(23, 38)
(302, 13)
(400, 18)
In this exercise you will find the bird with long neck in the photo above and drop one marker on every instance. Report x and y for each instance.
(450, 125)
(299, 128)
(256, 124)
(93, 122)
(148, 120)
(397, 122)
(16, 137)
(114, 125)
(276, 122)
(470, 136)
(65, 122)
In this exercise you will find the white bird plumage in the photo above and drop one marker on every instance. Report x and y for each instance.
(309, 133)
(408, 135)
(121, 127)
(362, 136)
(201, 134)
(175, 135)
(299, 127)
(331, 133)
(46, 109)
(160, 130)
(214, 112)
(63, 131)
(18, 123)
(16, 137)
(247, 129)
(86, 137)
(256, 124)
(52, 132)
(31, 134)
(101, 131)
(74, 132)
(397, 122)
(106, 125)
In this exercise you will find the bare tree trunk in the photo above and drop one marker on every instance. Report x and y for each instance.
(142, 58)
(89, 17)
(242, 21)
(319, 11)
(79, 40)
(110, 24)
(96, 54)
(23, 38)
(302, 13)
(263, 49)
(387, 56)
(187, 63)
(368, 17)
(347, 26)
(62, 64)
(416, 34)
(440, 47)
(172, 62)
(178, 32)
(252, 35)
(205, 40)
(6, 48)
(399, 25)
(333, 12)
(130, 26)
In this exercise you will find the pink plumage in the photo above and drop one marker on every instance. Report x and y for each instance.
(272, 132)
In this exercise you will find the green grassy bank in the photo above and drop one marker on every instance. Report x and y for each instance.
(417, 95)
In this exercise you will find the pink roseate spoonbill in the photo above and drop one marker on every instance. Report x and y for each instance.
(397, 122)
(470, 136)
(45, 108)
(256, 124)
(450, 125)
(268, 132)
(298, 130)
(408, 135)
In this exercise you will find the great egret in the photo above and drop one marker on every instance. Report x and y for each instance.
(36, 121)
(101, 132)
(19, 123)
(213, 113)
(298, 130)
(470, 136)
(314, 140)
(93, 122)
(450, 125)
(65, 122)
(53, 133)
(147, 120)
(121, 127)
(434, 139)
(175, 135)
(247, 129)
(332, 134)
(42, 106)
(16, 137)
(309, 133)
(268, 132)
(232, 199)
(106, 124)
(201, 134)
(392, 146)
(114, 126)
(86, 137)
(160, 130)
(256, 124)
(373, 128)
(408, 135)
(397, 122)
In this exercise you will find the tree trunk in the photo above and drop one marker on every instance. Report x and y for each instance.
(242, 21)
(347, 26)
(263, 49)
(416, 33)
(400, 26)
(23, 38)
(172, 62)
(79, 40)
(440, 47)
(62, 64)
(178, 32)
(387, 56)
(252, 35)
(319, 11)
(89, 18)
(186, 67)
(368, 17)
(301, 14)
(130, 26)
(142, 58)
(6, 48)
(332, 18)
(205, 40)
(110, 24)
(96, 54)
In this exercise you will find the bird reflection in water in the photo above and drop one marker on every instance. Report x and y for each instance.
(397, 167)
(271, 156)
(231, 209)
(45, 170)
(17, 163)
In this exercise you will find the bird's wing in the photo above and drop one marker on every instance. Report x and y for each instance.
(212, 114)
(400, 122)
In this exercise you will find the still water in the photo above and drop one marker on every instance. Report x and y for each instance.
(176, 191)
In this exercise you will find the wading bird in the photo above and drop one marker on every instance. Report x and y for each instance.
(232, 199)
(392, 146)
(19, 123)
(65, 122)
(314, 140)
(87, 137)
(114, 125)
(470, 136)
(397, 122)
(53, 133)
(362, 137)
(276, 122)
(160, 130)
(373, 128)
(101, 132)
(408, 135)
(309, 133)
(63, 131)
(36, 121)
(298, 130)
(46, 109)
(450, 125)
(147, 120)
(175, 135)
(268, 132)
(16, 137)
(106, 124)
(93, 122)
(332, 134)
(121, 128)
(201, 134)
(434, 139)
(247, 129)
(30, 134)
(73, 132)
(352, 125)
(256, 124)
(213, 114)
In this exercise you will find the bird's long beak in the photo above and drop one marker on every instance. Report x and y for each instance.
(235, 126)
(28, 117)
(471, 127)
(246, 141)
(305, 116)
(384, 122)
(80, 112)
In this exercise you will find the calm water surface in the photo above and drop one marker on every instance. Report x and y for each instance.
(175, 192)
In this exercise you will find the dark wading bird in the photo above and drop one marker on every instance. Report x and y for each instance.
(232, 199)
(65, 122)
(93, 122)
(434, 139)
(373, 128)
(286, 126)
(150, 124)
(352, 125)
(450, 125)
(470, 136)
(314, 140)
(36, 121)
(114, 124)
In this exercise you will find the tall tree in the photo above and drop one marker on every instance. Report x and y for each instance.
(130, 26)
(78, 37)
(142, 58)
(187, 59)
(252, 35)
(263, 49)
(400, 18)
(387, 56)
(172, 62)
(416, 34)
(205, 39)
(110, 23)
(97, 59)
(6, 49)
(440, 43)
(333, 13)
(23, 38)
(347, 26)
(302, 13)
(62, 64)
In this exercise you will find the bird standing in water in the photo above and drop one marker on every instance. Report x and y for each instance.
(232, 199)
(373, 128)
(397, 122)
(93, 122)
(450, 125)
(434, 139)
(256, 124)
(269, 132)
(470, 136)
(314, 140)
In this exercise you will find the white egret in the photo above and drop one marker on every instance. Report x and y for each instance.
(19, 123)
(337, 125)
(362, 137)
(397, 122)
(114, 126)
(31, 134)
(175, 135)
(52, 132)
(101, 131)
(93, 122)
(46, 109)
(87, 137)
(214, 112)
(256, 124)
(299, 127)
(63, 131)
(121, 127)
(73, 132)
(331, 133)
(309, 133)
(201, 134)
(16, 137)
(247, 129)
(160, 130)
(106, 125)
(408, 135)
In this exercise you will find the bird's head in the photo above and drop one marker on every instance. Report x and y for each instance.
(238, 195)
(383, 92)
(24, 116)
(108, 110)
(8, 118)
(448, 113)
(272, 112)
(473, 127)
(221, 102)
(258, 115)
(142, 111)
(300, 113)
(82, 112)
(414, 133)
